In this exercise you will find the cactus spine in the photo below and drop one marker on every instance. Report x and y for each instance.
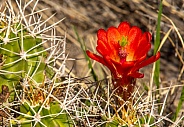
(27, 72)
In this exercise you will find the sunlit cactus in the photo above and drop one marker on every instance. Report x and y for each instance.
(28, 75)
(22, 56)
(41, 116)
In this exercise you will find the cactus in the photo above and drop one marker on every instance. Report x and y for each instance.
(22, 57)
(52, 116)
(28, 75)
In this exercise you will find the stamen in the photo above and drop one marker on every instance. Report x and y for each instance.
(122, 54)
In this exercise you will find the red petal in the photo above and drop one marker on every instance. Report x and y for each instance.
(113, 68)
(148, 36)
(148, 61)
(142, 51)
(134, 36)
(143, 46)
(95, 57)
(113, 36)
(128, 64)
(103, 48)
(124, 28)
(133, 40)
(144, 40)
(123, 68)
(141, 59)
(102, 35)
(102, 51)
(136, 75)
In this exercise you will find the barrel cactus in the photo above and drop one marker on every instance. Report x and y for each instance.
(28, 73)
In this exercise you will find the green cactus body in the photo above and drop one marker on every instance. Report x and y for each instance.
(49, 117)
(23, 56)
(23, 61)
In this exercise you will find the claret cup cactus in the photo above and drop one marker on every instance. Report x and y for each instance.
(38, 90)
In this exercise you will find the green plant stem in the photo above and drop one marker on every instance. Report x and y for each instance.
(83, 46)
(156, 46)
(179, 105)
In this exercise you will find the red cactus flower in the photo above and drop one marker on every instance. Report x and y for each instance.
(124, 50)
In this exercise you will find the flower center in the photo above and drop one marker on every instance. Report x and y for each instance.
(122, 54)
(122, 51)
(123, 41)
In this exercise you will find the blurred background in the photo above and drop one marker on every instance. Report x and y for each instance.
(87, 16)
